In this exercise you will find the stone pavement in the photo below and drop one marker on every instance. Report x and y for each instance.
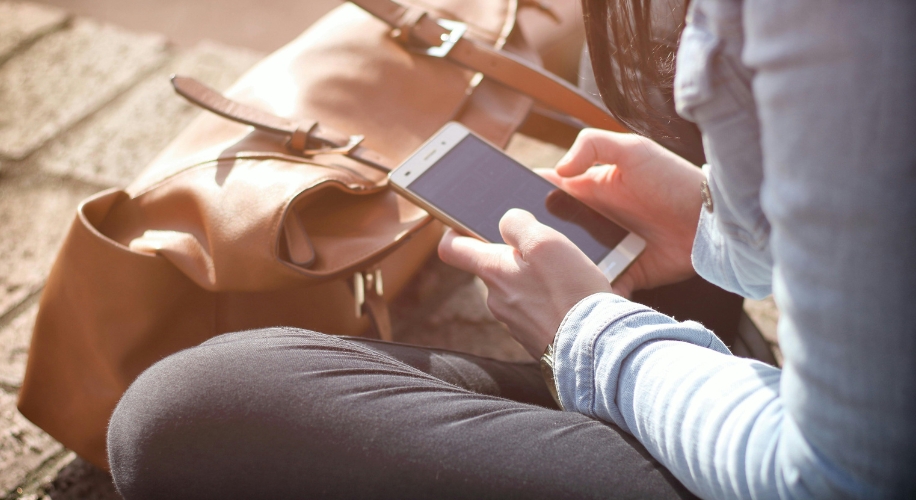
(84, 107)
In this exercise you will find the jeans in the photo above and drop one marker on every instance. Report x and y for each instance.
(283, 412)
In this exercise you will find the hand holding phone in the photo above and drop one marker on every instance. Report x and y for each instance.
(557, 252)
(647, 188)
(469, 184)
(532, 281)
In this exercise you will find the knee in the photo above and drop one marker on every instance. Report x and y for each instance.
(140, 422)
(176, 413)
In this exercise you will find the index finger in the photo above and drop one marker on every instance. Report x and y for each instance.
(466, 253)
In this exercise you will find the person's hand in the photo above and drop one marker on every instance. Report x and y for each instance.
(532, 281)
(646, 188)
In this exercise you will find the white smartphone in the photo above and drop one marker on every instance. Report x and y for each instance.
(470, 184)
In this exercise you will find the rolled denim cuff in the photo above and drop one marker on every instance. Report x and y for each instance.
(594, 340)
(715, 259)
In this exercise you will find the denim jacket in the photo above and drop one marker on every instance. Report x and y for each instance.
(808, 114)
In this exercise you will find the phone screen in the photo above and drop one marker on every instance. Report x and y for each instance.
(477, 184)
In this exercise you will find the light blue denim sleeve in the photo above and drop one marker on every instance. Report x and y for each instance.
(711, 418)
(833, 85)
(603, 328)
(729, 263)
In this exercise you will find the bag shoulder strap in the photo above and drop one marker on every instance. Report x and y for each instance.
(306, 138)
(444, 38)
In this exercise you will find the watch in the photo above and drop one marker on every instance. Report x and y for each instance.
(547, 372)
(707, 196)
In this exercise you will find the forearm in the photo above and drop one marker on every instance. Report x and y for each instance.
(597, 335)
(708, 416)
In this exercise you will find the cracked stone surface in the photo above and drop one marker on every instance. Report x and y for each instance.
(463, 322)
(115, 144)
(64, 77)
(22, 22)
(765, 315)
(12, 295)
(35, 214)
(71, 478)
(14, 347)
(447, 308)
(23, 447)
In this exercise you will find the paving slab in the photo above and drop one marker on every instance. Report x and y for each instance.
(447, 308)
(64, 77)
(765, 316)
(35, 213)
(114, 145)
(464, 323)
(68, 478)
(13, 296)
(14, 348)
(23, 22)
(23, 447)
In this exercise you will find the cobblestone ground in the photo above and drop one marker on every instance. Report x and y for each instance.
(84, 107)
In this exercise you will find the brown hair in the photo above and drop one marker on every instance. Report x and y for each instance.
(628, 62)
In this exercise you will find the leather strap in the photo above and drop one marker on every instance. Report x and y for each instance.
(368, 296)
(306, 138)
(495, 64)
(378, 311)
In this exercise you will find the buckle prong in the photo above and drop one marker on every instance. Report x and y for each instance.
(456, 30)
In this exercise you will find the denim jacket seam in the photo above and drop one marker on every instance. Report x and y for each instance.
(732, 79)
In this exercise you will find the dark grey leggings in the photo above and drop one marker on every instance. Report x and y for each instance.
(287, 413)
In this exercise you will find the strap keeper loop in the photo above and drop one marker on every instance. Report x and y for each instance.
(299, 139)
(346, 149)
(406, 24)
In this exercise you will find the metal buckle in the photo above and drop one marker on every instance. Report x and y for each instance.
(346, 149)
(359, 292)
(456, 30)
(363, 282)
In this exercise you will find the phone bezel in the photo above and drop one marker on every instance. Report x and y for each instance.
(427, 155)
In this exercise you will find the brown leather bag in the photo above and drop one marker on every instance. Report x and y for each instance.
(268, 218)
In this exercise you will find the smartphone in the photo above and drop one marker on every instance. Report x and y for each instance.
(470, 184)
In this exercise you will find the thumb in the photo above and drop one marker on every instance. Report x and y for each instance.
(466, 253)
(593, 147)
(519, 229)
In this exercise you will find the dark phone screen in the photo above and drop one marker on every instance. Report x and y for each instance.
(477, 184)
